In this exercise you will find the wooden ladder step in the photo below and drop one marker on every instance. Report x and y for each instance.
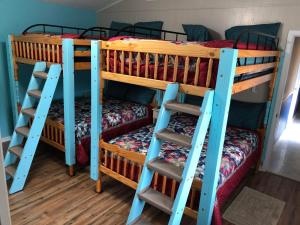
(168, 135)
(11, 170)
(17, 150)
(35, 93)
(165, 168)
(23, 131)
(40, 74)
(157, 199)
(29, 112)
(184, 108)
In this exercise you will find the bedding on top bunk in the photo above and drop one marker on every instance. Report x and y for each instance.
(115, 113)
(203, 67)
(239, 144)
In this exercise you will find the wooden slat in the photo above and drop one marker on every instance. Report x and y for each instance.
(35, 51)
(57, 54)
(244, 85)
(48, 53)
(162, 47)
(147, 65)
(122, 61)
(175, 68)
(16, 46)
(209, 72)
(186, 69)
(155, 66)
(166, 62)
(197, 71)
(138, 64)
(164, 185)
(254, 68)
(118, 163)
(155, 180)
(115, 61)
(20, 49)
(40, 51)
(132, 169)
(78, 53)
(130, 63)
(112, 161)
(256, 53)
(27, 50)
(44, 52)
(39, 39)
(173, 189)
(31, 51)
(53, 53)
(24, 49)
(125, 167)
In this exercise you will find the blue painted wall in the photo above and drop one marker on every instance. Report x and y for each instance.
(15, 16)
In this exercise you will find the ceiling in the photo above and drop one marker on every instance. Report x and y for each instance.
(97, 5)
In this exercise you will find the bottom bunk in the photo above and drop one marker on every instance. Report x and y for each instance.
(119, 117)
(122, 158)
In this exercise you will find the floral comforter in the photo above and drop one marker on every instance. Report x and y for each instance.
(114, 114)
(239, 144)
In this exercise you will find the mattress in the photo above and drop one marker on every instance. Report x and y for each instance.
(239, 144)
(115, 114)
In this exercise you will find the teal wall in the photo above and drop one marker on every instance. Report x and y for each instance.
(15, 16)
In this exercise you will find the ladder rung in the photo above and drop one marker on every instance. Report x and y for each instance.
(168, 135)
(157, 199)
(40, 74)
(17, 150)
(182, 107)
(165, 168)
(35, 93)
(29, 112)
(23, 131)
(11, 170)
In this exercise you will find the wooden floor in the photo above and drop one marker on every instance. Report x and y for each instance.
(52, 197)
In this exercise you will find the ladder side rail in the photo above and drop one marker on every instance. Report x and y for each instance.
(222, 98)
(36, 129)
(153, 152)
(22, 120)
(193, 159)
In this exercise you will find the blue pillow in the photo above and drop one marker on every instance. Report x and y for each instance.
(233, 32)
(246, 115)
(147, 33)
(119, 26)
(115, 90)
(141, 95)
(196, 32)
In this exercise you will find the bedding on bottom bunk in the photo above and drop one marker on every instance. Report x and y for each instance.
(238, 145)
(118, 117)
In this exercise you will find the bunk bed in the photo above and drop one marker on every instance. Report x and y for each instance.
(228, 67)
(69, 46)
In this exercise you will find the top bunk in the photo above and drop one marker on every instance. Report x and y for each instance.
(194, 65)
(43, 42)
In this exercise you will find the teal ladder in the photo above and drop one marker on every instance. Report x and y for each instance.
(144, 193)
(36, 105)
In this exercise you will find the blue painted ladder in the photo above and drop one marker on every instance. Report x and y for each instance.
(36, 105)
(144, 193)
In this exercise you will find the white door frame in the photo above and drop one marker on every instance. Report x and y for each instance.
(4, 204)
(292, 35)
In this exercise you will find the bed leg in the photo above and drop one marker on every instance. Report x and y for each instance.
(99, 185)
(71, 171)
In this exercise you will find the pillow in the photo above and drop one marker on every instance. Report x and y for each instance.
(118, 26)
(116, 90)
(147, 33)
(141, 95)
(233, 32)
(196, 32)
(246, 115)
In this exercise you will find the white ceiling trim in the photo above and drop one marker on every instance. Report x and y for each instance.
(109, 5)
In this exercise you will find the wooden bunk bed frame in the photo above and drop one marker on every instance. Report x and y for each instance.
(126, 166)
(43, 45)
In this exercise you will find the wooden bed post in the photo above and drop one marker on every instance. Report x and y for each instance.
(222, 97)
(96, 110)
(13, 78)
(69, 104)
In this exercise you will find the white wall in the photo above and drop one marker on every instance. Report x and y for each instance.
(217, 15)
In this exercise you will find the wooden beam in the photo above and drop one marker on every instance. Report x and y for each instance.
(161, 47)
(244, 85)
(256, 53)
(254, 68)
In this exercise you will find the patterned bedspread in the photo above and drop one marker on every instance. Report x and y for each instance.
(239, 143)
(114, 114)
